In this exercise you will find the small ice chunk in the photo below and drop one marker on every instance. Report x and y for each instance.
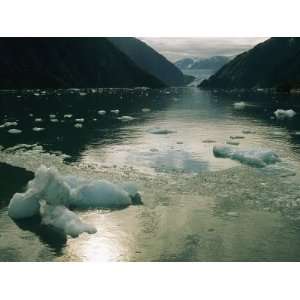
(14, 131)
(64, 220)
(115, 111)
(161, 131)
(8, 124)
(54, 120)
(146, 109)
(82, 94)
(68, 116)
(282, 114)
(38, 120)
(81, 120)
(78, 125)
(101, 112)
(126, 118)
(38, 129)
(36, 94)
(52, 116)
(255, 158)
(239, 105)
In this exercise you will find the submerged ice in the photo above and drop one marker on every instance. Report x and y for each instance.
(51, 195)
(255, 157)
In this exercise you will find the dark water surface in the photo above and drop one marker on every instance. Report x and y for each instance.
(196, 207)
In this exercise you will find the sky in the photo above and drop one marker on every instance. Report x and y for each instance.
(177, 48)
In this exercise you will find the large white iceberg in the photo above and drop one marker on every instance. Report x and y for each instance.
(50, 195)
(255, 157)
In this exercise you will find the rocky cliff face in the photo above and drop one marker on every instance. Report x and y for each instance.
(149, 60)
(68, 62)
(274, 63)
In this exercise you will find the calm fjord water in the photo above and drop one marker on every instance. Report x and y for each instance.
(196, 207)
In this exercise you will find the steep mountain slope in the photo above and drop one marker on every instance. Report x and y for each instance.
(212, 63)
(68, 62)
(149, 60)
(274, 63)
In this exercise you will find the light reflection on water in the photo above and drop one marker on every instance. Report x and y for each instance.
(188, 194)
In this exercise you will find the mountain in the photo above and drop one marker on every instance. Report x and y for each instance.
(149, 60)
(274, 63)
(68, 62)
(212, 63)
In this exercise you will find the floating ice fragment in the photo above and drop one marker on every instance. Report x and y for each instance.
(239, 105)
(50, 195)
(82, 94)
(14, 131)
(38, 129)
(68, 116)
(81, 120)
(101, 112)
(232, 214)
(8, 124)
(282, 114)
(126, 118)
(115, 111)
(64, 220)
(38, 120)
(52, 116)
(255, 158)
(146, 110)
(78, 125)
(54, 120)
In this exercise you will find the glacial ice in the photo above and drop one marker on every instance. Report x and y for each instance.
(14, 131)
(101, 112)
(282, 114)
(68, 116)
(38, 129)
(255, 157)
(115, 111)
(8, 124)
(80, 120)
(78, 125)
(126, 118)
(239, 105)
(38, 120)
(50, 195)
(146, 109)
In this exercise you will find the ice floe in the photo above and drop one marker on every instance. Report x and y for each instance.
(234, 143)
(235, 137)
(239, 105)
(282, 114)
(146, 109)
(255, 157)
(14, 131)
(38, 120)
(8, 124)
(80, 120)
(38, 129)
(115, 111)
(68, 116)
(126, 118)
(78, 125)
(50, 195)
(101, 112)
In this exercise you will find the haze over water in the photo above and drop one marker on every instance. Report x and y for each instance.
(196, 207)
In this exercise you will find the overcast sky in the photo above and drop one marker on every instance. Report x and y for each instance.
(177, 48)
